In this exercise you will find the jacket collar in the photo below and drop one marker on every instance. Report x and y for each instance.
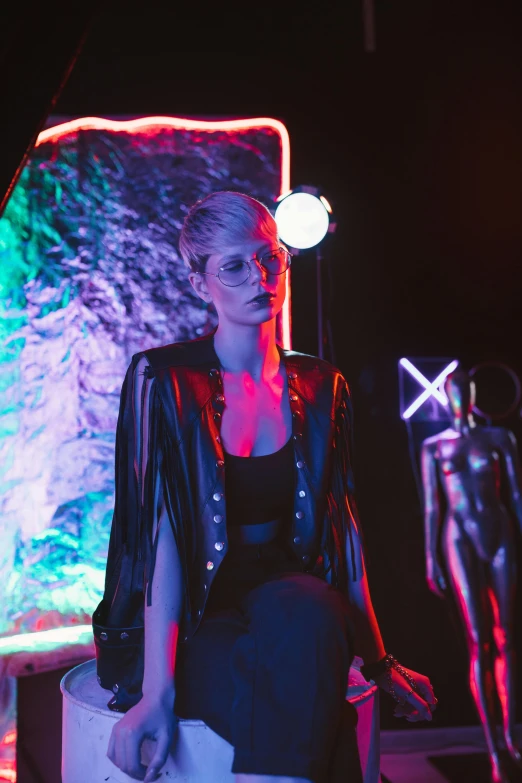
(202, 351)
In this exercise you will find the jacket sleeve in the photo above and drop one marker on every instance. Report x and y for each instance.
(149, 479)
(341, 503)
(159, 478)
(138, 490)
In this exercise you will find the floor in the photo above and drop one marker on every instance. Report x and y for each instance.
(445, 755)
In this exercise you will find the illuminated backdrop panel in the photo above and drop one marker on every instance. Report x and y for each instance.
(89, 275)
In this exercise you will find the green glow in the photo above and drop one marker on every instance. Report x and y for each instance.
(88, 270)
(45, 641)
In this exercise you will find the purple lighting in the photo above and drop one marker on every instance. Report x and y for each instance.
(431, 388)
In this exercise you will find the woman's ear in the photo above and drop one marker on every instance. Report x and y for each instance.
(199, 285)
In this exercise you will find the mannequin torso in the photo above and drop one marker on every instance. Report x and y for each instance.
(470, 471)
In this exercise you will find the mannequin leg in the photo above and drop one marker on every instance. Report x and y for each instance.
(469, 588)
(502, 597)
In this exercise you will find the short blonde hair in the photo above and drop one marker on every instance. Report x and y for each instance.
(218, 221)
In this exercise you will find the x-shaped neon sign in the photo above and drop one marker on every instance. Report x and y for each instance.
(431, 388)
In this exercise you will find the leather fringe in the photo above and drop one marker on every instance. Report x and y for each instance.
(341, 509)
(163, 460)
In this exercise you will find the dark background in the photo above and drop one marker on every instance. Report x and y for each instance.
(418, 148)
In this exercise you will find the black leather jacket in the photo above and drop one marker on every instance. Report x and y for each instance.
(169, 424)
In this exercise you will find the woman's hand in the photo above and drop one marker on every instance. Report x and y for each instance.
(148, 719)
(414, 705)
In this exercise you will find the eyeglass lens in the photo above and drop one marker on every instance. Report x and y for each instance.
(237, 272)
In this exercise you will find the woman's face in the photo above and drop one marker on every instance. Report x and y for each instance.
(233, 304)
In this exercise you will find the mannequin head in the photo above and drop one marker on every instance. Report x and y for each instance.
(460, 390)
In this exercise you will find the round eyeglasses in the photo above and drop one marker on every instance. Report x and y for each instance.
(237, 272)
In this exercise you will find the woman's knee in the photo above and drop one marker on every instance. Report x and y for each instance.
(301, 599)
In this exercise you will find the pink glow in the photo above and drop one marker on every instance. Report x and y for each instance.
(9, 738)
(144, 123)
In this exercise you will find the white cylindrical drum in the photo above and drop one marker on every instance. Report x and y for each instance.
(198, 755)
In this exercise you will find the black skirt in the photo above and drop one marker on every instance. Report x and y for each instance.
(268, 669)
(246, 566)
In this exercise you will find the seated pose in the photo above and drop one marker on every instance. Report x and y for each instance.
(256, 592)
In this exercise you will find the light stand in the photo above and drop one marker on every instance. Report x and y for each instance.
(303, 220)
(320, 324)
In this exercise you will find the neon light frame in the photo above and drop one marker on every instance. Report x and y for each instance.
(134, 126)
(82, 633)
(431, 388)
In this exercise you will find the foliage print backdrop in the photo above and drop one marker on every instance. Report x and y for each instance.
(89, 275)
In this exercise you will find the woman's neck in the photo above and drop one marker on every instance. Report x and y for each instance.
(246, 349)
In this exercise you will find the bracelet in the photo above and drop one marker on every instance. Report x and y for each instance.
(372, 670)
(392, 663)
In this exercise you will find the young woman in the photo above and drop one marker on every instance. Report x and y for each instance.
(260, 574)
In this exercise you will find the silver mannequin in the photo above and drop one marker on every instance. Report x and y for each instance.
(473, 504)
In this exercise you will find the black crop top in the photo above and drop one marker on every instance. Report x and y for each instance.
(258, 489)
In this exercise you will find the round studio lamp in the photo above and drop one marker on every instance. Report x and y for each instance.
(303, 217)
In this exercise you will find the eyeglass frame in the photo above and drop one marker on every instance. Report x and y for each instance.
(248, 262)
